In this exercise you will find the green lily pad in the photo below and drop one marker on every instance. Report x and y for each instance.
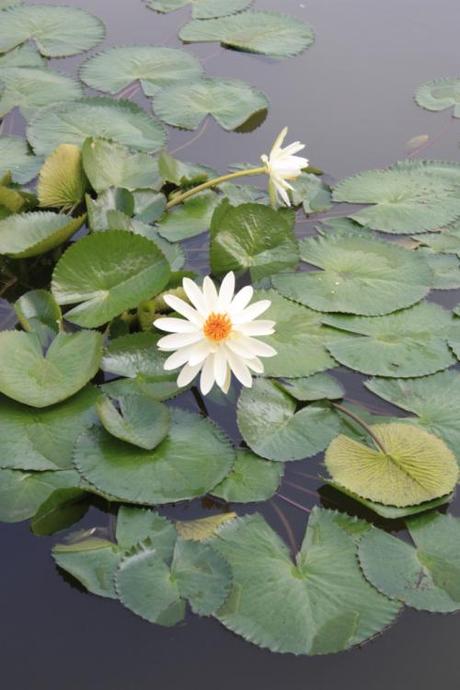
(310, 191)
(153, 66)
(193, 458)
(319, 604)
(139, 420)
(32, 88)
(62, 181)
(203, 528)
(25, 55)
(315, 387)
(137, 357)
(440, 94)
(410, 342)
(415, 467)
(434, 399)
(144, 585)
(254, 237)
(202, 575)
(108, 164)
(409, 197)
(190, 218)
(360, 275)
(37, 379)
(183, 174)
(230, 102)
(299, 338)
(71, 123)
(38, 313)
(61, 510)
(268, 33)
(270, 425)
(136, 525)
(16, 158)
(40, 440)
(445, 269)
(201, 9)
(56, 31)
(251, 479)
(22, 493)
(107, 273)
(447, 241)
(31, 234)
(424, 575)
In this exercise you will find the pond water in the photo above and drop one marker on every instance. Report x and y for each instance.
(350, 99)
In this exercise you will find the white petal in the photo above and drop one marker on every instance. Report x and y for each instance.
(179, 340)
(220, 366)
(258, 327)
(279, 140)
(293, 148)
(228, 378)
(178, 358)
(241, 299)
(183, 308)
(226, 291)
(207, 375)
(195, 295)
(210, 294)
(200, 352)
(283, 195)
(252, 312)
(257, 348)
(255, 364)
(175, 325)
(240, 369)
(187, 374)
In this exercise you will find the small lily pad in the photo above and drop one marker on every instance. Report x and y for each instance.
(251, 479)
(135, 419)
(22, 493)
(30, 234)
(62, 182)
(440, 94)
(201, 9)
(15, 157)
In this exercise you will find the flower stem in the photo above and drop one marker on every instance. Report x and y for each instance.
(179, 198)
(363, 424)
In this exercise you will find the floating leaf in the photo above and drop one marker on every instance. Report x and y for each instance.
(38, 313)
(425, 575)
(409, 197)
(145, 586)
(203, 528)
(136, 525)
(107, 273)
(25, 55)
(410, 342)
(32, 88)
(440, 94)
(182, 174)
(299, 338)
(320, 604)
(360, 276)
(61, 510)
(416, 466)
(193, 458)
(434, 399)
(445, 269)
(203, 576)
(237, 194)
(251, 479)
(270, 425)
(202, 9)
(190, 219)
(316, 387)
(37, 379)
(269, 33)
(92, 561)
(154, 67)
(57, 31)
(231, 102)
(139, 420)
(71, 123)
(445, 242)
(108, 164)
(120, 200)
(16, 158)
(31, 234)
(138, 357)
(62, 182)
(22, 493)
(254, 237)
(312, 193)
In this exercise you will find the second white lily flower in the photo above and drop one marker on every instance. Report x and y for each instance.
(283, 165)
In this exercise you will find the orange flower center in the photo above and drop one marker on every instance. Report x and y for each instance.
(217, 327)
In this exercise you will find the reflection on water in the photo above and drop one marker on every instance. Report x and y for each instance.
(350, 99)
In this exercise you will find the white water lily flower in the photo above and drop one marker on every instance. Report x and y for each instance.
(216, 337)
(283, 165)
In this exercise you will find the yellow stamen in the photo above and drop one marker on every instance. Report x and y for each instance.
(217, 327)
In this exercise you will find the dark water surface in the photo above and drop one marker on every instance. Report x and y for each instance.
(350, 99)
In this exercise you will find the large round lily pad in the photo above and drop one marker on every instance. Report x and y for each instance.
(193, 458)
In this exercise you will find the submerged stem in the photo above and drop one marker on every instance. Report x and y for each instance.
(179, 198)
(363, 424)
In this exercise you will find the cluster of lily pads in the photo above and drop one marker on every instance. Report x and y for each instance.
(91, 254)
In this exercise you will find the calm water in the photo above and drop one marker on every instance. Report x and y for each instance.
(350, 99)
